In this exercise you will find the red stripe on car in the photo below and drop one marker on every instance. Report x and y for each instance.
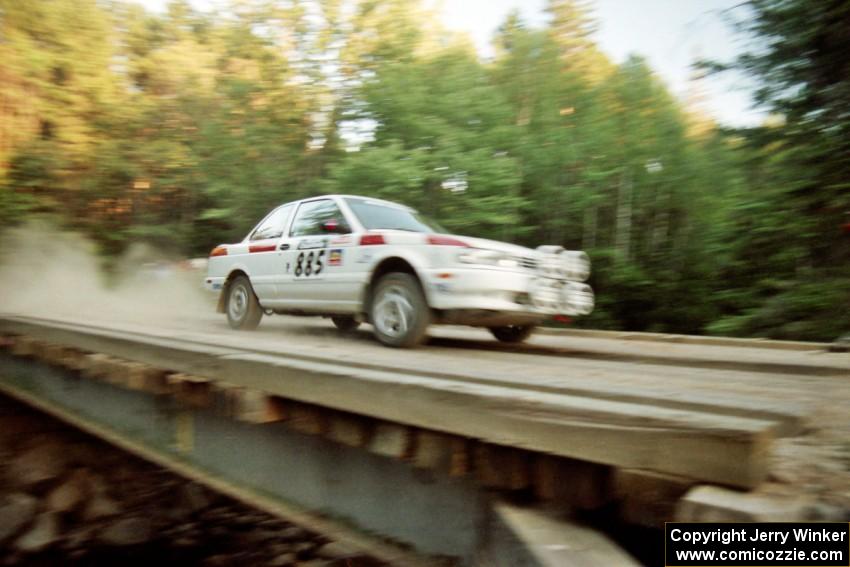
(440, 240)
(372, 239)
(261, 248)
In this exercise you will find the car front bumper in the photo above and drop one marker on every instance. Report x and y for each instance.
(510, 291)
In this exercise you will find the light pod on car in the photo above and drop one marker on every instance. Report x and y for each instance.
(546, 295)
(549, 263)
(575, 264)
(577, 298)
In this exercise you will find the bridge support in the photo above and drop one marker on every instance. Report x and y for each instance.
(365, 492)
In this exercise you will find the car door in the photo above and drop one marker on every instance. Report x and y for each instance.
(316, 259)
(263, 260)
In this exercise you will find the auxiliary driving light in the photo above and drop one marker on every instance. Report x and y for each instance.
(577, 299)
(575, 264)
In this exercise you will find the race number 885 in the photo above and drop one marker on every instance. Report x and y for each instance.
(309, 264)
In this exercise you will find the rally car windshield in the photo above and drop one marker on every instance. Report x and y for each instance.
(374, 216)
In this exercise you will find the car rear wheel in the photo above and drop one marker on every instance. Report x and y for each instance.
(345, 323)
(512, 333)
(399, 311)
(242, 308)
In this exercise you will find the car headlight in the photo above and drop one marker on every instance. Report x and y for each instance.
(509, 262)
(487, 258)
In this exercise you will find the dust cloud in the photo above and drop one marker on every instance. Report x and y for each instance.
(45, 272)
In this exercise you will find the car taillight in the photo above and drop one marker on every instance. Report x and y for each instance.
(218, 251)
(439, 240)
(371, 239)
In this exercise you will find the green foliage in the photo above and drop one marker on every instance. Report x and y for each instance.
(440, 144)
(789, 237)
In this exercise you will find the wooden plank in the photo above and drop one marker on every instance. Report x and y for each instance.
(7, 341)
(95, 366)
(647, 498)
(225, 400)
(521, 536)
(699, 444)
(689, 339)
(155, 382)
(120, 372)
(461, 464)
(275, 408)
(350, 430)
(433, 451)
(253, 405)
(248, 404)
(306, 418)
(23, 345)
(570, 483)
(39, 350)
(137, 373)
(55, 354)
(502, 467)
(717, 504)
(67, 357)
(391, 440)
(194, 391)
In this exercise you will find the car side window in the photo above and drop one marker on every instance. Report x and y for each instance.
(319, 217)
(274, 224)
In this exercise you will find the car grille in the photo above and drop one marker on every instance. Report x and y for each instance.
(528, 262)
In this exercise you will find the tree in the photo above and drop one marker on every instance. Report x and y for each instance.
(799, 208)
(444, 125)
(56, 89)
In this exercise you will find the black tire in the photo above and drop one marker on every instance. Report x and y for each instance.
(246, 312)
(401, 332)
(345, 323)
(513, 333)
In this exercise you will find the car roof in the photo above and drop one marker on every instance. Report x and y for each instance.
(343, 196)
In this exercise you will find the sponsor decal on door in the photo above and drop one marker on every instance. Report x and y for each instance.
(335, 257)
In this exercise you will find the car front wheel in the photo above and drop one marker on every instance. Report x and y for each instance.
(512, 333)
(399, 311)
(243, 310)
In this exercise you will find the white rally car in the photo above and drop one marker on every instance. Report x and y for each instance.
(357, 259)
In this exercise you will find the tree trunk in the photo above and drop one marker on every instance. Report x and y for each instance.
(623, 234)
(588, 239)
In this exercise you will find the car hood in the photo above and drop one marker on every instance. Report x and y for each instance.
(503, 247)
